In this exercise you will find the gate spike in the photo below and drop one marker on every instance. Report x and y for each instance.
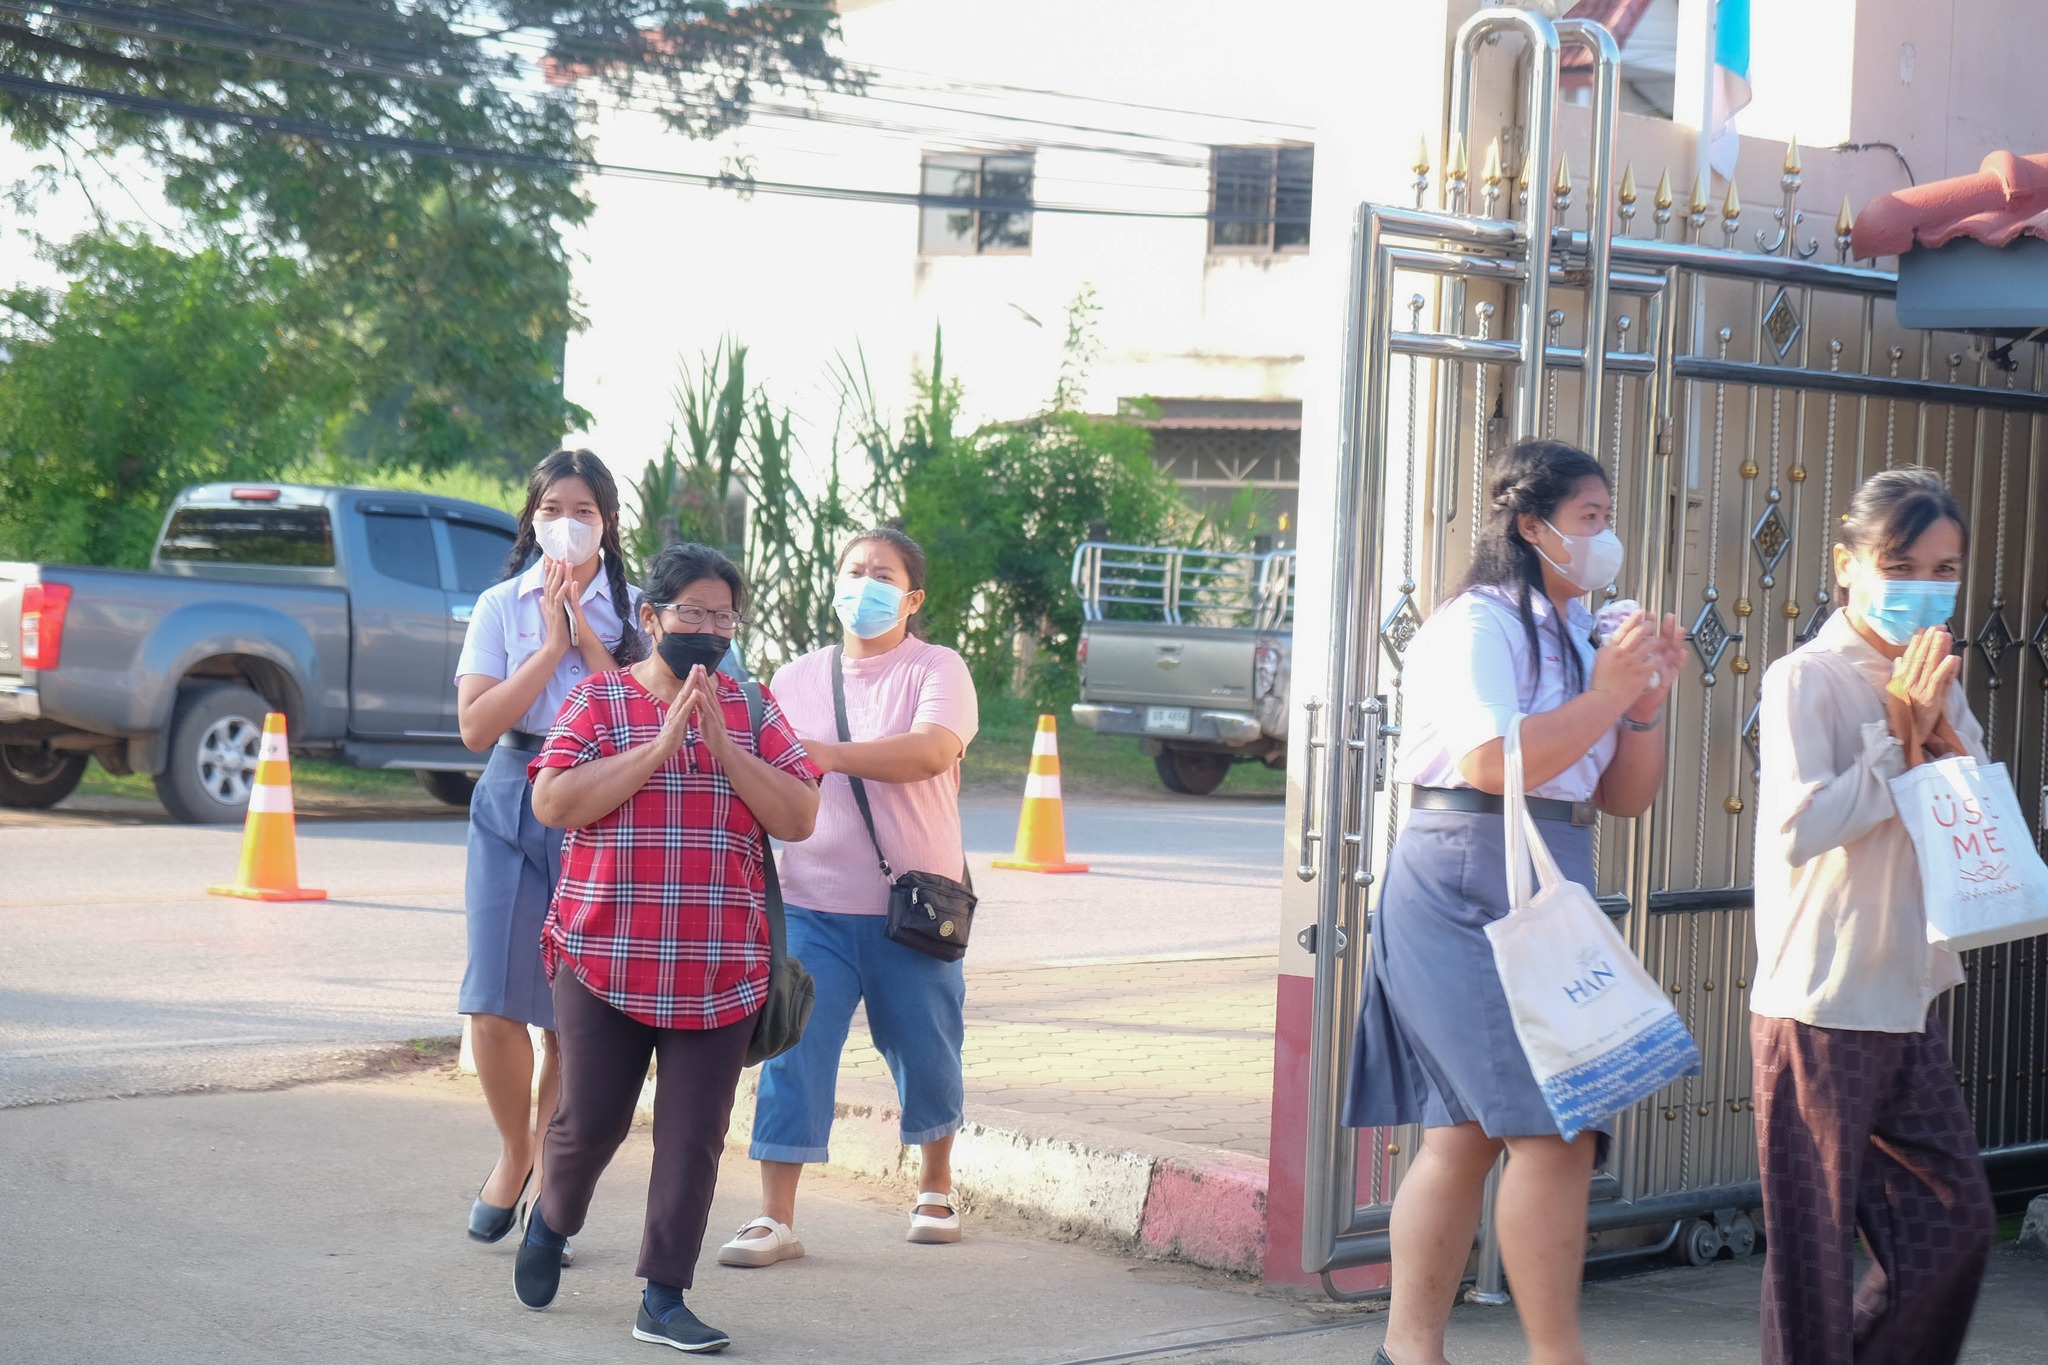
(1699, 197)
(1845, 227)
(1561, 185)
(1627, 194)
(1792, 157)
(1493, 174)
(1664, 200)
(1421, 166)
(1731, 207)
(1455, 164)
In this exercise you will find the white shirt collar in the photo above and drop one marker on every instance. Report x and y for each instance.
(1577, 615)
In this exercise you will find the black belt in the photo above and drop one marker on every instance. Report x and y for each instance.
(522, 741)
(1476, 802)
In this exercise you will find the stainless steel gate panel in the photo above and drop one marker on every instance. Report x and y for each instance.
(1737, 387)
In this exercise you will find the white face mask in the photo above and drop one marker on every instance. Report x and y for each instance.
(566, 539)
(1591, 562)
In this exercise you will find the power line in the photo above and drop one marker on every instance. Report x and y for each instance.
(539, 44)
(759, 113)
(533, 161)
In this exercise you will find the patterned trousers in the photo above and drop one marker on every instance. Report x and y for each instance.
(1866, 1133)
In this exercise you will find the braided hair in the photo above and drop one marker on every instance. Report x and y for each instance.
(582, 464)
(1530, 478)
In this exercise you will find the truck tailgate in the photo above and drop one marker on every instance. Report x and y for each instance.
(12, 577)
(1150, 663)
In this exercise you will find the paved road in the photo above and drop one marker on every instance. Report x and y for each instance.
(322, 1224)
(118, 975)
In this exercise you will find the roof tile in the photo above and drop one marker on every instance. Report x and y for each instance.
(2006, 198)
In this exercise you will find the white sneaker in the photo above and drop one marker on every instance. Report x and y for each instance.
(928, 1230)
(779, 1245)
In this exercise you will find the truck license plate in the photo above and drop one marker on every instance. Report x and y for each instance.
(1172, 720)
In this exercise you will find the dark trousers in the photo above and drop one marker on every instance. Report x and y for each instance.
(604, 1063)
(1861, 1132)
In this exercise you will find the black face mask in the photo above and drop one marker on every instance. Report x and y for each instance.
(683, 651)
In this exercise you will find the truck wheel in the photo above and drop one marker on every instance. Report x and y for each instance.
(448, 788)
(216, 732)
(36, 777)
(1191, 772)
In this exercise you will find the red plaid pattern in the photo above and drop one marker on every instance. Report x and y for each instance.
(659, 908)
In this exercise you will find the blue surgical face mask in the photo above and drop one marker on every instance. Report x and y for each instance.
(867, 606)
(1897, 608)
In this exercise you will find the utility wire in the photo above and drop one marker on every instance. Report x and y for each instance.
(338, 53)
(760, 111)
(488, 156)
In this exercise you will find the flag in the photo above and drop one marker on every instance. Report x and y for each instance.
(1729, 82)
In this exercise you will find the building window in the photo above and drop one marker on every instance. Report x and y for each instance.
(1259, 198)
(961, 229)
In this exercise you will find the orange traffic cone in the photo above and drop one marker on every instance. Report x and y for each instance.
(1042, 830)
(270, 854)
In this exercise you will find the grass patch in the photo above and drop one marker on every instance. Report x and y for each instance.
(310, 777)
(1090, 764)
(996, 764)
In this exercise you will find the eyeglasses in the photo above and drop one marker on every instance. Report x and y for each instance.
(695, 617)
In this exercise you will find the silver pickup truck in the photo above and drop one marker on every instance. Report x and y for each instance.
(1188, 652)
(344, 608)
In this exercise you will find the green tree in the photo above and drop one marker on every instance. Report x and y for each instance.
(152, 370)
(1000, 516)
(420, 158)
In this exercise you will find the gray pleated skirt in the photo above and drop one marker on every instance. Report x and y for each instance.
(1436, 1044)
(514, 862)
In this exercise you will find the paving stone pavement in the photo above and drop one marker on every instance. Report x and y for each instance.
(1173, 1048)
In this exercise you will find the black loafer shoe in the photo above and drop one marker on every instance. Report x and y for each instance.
(538, 1273)
(681, 1329)
(488, 1222)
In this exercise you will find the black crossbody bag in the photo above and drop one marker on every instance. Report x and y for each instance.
(930, 913)
(779, 1024)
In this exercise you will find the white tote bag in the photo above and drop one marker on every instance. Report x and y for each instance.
(1597, 1030)
(1981, 878)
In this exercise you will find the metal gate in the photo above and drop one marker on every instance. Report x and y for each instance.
(1737, 387)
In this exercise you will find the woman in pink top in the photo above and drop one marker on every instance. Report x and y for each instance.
(911, 713)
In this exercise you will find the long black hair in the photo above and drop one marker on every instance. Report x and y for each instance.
(1891, 510)
(1530, 478)
(581, 464)
(913, 564)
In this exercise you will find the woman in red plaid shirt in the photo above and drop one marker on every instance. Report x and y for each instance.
(657, 943)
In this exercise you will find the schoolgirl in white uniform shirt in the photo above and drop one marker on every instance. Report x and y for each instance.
(563, 612)
(1436, 1044)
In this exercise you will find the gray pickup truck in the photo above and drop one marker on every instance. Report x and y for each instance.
(1187, 651)
(344, 608)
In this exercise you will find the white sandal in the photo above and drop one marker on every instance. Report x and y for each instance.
(926, 1229)
(779, 1245)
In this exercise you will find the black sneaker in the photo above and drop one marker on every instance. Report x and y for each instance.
(681, 1329)
(538, 1272)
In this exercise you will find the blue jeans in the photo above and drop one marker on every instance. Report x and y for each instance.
(915, 1014)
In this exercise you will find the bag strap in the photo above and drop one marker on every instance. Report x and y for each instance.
(1527, 850)
(771, 884)
(860, 788)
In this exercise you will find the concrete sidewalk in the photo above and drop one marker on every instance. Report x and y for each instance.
(324, 1223)
(1125, 1100)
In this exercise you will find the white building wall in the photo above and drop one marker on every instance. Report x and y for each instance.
(666, 270)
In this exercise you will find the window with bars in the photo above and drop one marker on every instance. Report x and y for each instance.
(967, 229)
(1259, 198)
